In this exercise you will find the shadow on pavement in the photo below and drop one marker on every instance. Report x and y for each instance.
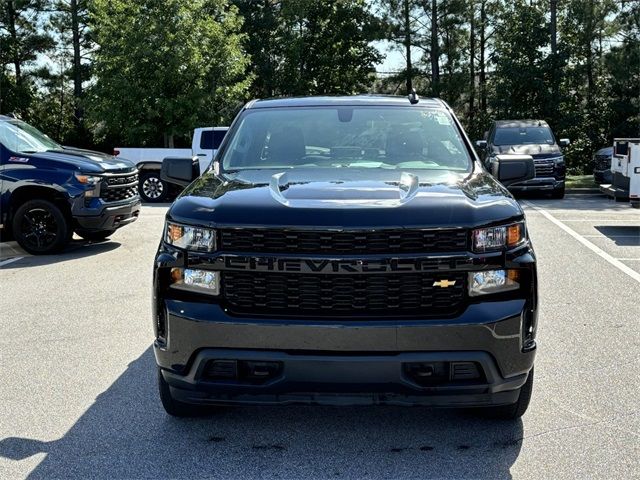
(624, 236)
(126, 434)
(76, 249)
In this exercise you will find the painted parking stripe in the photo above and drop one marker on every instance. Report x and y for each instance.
(613, 261)
(10, 260)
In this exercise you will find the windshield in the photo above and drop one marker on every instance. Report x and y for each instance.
(346, 137)
(20, 137)
(523, 136)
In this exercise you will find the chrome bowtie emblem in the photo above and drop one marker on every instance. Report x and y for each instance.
(444, 283)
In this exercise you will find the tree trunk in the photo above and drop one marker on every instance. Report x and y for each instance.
(555, 81)
(589, 52)
(435, 50)
(472, 62)
(482, 79)
(14, 50)
(407, 45)
(77, 67)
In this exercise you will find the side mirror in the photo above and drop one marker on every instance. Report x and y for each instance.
(510, 169)
(181, 171)
(482, 144)
(564, 142)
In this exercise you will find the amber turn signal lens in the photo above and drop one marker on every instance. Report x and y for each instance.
(513, 275)
(174, 232)
(176, 275)
(514, 234)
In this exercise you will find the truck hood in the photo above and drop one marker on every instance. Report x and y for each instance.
(535, 150)
(337, 198)
(86, 161)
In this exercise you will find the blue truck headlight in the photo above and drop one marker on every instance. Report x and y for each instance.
(493, 281)
(496, 238)
(200, 281)
(198, 239)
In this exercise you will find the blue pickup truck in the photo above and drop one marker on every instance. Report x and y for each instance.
(48, 192)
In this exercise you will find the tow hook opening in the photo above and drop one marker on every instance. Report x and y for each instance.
(242, 371)
(441, 373)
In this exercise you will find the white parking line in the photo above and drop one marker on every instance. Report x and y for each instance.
(599, 220)
(10, 260)
(611, 236)
(613, 261)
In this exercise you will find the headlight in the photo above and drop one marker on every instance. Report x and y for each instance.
(493, 281)
(202, 281)
(190, 238)
(497, 238)
(87, 179)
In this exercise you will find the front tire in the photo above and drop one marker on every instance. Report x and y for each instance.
(174, 407)
(152, 188)
(40, 227)
(558, 193)
(515, 411)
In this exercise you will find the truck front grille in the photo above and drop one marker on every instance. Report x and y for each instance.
(116, 188)
(602, 162)
(343, 242)
(544, 168)
(382, 295)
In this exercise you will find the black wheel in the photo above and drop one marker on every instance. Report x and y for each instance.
(152, 188)
(175, 407)
(95, 236)
(40, 227)
(515, 411)
(558, 193)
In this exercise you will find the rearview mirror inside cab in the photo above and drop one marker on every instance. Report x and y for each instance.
(181, 171)
(510, 169)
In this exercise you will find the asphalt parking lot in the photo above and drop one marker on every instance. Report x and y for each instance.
(78, 396)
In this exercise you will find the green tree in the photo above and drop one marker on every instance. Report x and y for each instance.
(521, 72)
(303, 47)
(164, 67)
(21, 40)
(70, 20)
(622, 67)
(263, 30)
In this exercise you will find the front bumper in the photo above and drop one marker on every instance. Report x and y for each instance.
(538, 184)
(345, 362)
(107, 217)
(602, 176)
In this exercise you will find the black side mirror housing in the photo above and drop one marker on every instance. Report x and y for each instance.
(482, 144)
(564, 142)
(180, 171)
(510, 169)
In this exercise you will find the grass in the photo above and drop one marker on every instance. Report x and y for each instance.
(581, 181)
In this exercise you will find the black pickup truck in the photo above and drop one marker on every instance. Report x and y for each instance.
(48, 191)
(346, 250)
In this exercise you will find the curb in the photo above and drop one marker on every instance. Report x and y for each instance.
(583, 191)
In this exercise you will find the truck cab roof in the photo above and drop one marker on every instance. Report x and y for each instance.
(355, 100)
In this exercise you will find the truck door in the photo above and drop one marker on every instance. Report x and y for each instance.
(206, 142)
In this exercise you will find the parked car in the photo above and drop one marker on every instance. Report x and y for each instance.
(204, 145)
(347, 250)
(48, 191)
(602, 165)
(529, 137)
